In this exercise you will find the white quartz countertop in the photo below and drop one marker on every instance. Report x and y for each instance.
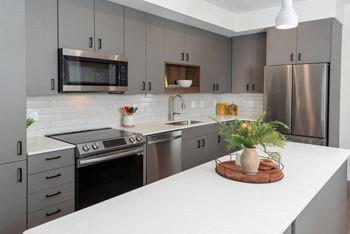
(38, 145)
(155, 127)
(200, 201)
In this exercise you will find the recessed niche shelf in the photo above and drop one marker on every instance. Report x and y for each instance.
(174, 72)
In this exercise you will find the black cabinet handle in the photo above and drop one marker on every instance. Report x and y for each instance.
(299, 56)
(253, 87)
(219, 138)
(54, 176)
(19, 175)
(19, 148)
(291, 57)
(203, 143)
(53, 158)
(217, 87)
(149, 86)
(143, 86)
(53, 194)
(99, 43)
(247, 87)
(182, 56)
(53, 84)
(90, 42)
(199, 144)
(187, 56)
(53, 213)
(214, 87)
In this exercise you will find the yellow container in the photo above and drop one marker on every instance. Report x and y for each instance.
(232, 109)
(221, 108)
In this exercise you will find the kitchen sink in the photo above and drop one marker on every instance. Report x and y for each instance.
(184, 122)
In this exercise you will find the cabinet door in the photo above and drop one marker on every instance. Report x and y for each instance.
(281, 46)
(76, 24)
(174, 42)
(155, 47)
(192, 153)
(12, 82)
(13, 197)
(41, 47)
(192, 45)
(109, 27)
(314, 41)
(207, 48)
(222, 62)
(135, 49)
(241, 64)
(258, 62)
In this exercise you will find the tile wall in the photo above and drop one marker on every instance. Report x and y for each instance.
(72, 112)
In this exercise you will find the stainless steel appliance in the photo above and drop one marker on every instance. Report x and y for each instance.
(87, 71)
(297, 95)
(163, 155)
(109, 162)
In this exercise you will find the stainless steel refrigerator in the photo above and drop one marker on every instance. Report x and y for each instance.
(297, 95)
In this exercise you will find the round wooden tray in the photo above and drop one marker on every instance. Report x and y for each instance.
(231, 171)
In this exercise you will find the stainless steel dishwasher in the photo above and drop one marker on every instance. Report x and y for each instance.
(163, 155)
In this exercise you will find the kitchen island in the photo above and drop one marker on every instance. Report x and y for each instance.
(310, 199)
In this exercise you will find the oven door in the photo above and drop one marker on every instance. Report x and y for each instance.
(105, 176)
(85, 71)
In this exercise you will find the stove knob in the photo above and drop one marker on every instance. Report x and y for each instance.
(86, 147)
(139, 138)
(132, 139)
(95, 146)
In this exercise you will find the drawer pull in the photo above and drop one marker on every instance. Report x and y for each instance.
(53, 213)
(53, 194)
(54, 176)
(53, 158)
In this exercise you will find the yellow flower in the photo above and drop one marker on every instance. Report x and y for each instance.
(244, 125)
(250, 129)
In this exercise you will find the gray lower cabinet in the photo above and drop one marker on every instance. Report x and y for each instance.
(51, 186)
(135, 50)
(76, 24)
(13, 197)
(248, 61)
(41, 47)
(155, 55)
(215, 63)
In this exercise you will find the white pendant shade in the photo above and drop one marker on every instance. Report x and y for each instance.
(287, 17)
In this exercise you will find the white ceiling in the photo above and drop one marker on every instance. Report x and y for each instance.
(241, 6)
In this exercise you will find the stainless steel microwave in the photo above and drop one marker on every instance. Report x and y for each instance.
(87, 71)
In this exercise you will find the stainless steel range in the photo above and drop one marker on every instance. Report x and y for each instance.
(109, 162)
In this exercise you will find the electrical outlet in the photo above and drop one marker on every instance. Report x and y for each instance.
(193, 104)
(34, 114)
(202, 104)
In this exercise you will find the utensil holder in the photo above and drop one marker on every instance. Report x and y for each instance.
(128, 121)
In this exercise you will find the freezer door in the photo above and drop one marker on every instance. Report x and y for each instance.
(310, 95)
(307, 140)
(278, 94)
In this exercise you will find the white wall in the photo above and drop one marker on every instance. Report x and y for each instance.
(61, 113)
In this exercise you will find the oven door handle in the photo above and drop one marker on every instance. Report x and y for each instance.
(87, 162)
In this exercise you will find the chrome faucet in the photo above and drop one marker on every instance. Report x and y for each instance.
(172, 113)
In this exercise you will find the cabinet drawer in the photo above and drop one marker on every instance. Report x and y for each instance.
(50, 179)
(192, 132)
(48, 161)
(51, 213)
(50, 197)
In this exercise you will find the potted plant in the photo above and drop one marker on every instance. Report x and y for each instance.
(248, 135)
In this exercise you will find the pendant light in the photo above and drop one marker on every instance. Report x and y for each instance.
(287, 18)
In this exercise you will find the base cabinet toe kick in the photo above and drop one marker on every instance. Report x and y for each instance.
(327, 211)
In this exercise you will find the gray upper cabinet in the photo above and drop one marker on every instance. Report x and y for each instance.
(174, 42)
(314, 41)
(12, 82)
(215, 63)
(13, 197)
(76, 24)
(248, 61)
(135, 49)
(155, 56)
(41, 47)
(109, 27)
(281, 46)
(192, 45)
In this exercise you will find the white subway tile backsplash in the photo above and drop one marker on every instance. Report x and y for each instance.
(74, 112)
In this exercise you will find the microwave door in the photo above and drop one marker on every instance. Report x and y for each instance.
(278, 94)
(310, 100)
